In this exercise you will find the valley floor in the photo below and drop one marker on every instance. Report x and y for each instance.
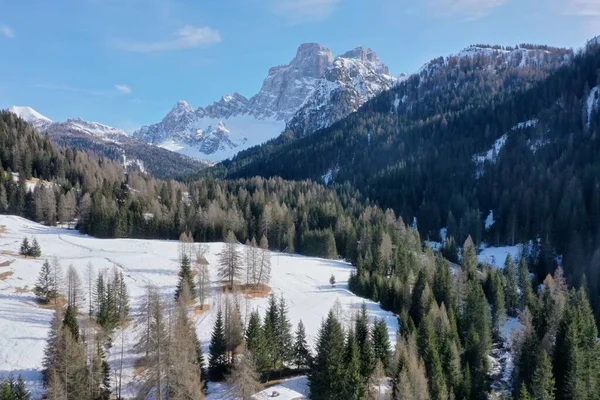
(303, 281)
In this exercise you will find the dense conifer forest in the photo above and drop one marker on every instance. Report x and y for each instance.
(391, 165)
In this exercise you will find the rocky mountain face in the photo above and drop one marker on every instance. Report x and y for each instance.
(311, 92)
(112, 143)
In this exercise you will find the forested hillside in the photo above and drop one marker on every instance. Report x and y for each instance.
(522, 142)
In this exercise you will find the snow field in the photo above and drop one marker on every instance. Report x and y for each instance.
(303, 281)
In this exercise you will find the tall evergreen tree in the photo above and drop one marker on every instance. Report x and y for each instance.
(302, 356)
(381, 343)
(218, 364)
(354, 382)
(326, 377)
(543, 379)
(45, 288)
(185, 278)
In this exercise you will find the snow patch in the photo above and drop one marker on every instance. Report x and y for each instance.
(489, 220)
(495, 256)
(592, 103)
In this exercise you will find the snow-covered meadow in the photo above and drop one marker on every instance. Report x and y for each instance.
(303, 281)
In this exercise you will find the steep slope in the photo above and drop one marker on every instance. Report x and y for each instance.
(466, 135)
(311, 92)
(113, 143)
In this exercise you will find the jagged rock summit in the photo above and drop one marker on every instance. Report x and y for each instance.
(311, 92)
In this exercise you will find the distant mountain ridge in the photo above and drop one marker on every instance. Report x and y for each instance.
(111, 142)
(311, 92)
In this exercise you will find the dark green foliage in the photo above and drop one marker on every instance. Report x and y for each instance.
(185, 278)
(511, 286)
(45, 287)
(543, 380)
(13, 390)
(30, 250)
(218, 364)
(365, 345)
(381, 343)
(354, 382)
(70, 321)
(302, 356)
(327, 376)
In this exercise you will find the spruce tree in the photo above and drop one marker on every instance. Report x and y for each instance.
(326, 377)
(218, 362)
(302, 356)
(35, 250)
(25, 247)
(469, 258)
(511, 287)
(428, 350)
(543, 379)
(257, 345)
(381, 343)
(354, 383)
(363, 338)
(45, 287)
(20, 390)
(285, 343)
(185, 278)
(70, 322)
(526, 296)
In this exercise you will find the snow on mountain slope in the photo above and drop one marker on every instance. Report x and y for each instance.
(30, 115)
(311, 92)
(304, 282)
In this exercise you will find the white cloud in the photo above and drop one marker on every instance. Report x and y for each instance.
(588, 8)
(300, 11)
(7, 31)
(468, 9)
(123, 89)
(187, 37)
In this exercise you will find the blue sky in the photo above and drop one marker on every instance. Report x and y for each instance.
(126, 62)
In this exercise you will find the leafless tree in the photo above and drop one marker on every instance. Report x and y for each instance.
(230, 263)
(264, 262)
(244, 380)
(74, 291)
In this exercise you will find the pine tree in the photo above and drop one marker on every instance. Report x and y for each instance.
(218, 362)
(25, 248)
(284, 335)
(525, 288)
(469, 259)
(326, 377)
(497, 302)
(354, 383)
(35, 250)
(524, 393)
(543, 379)
(427, 344)
(70, 321)
(257, 345)
(185, 278)
(381, 343)
(511, 287)
(302, 356)
(20, 390)
(332, 280)
(45, 287)
(363, 338)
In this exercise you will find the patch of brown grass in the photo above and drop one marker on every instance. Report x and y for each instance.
(60, 303)
(6, 263)
(201, 310)
(140, 366)
(253, 291)
(5, 275)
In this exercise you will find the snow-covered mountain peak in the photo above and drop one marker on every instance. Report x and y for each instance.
(32, 116)
(314, 78)
(94, 128)
(367, 55)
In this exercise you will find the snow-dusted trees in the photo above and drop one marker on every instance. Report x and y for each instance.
(45, 287)
(30, 250)
(230, 261)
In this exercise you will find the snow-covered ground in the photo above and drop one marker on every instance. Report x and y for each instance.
(304, 282)
(496, 256)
